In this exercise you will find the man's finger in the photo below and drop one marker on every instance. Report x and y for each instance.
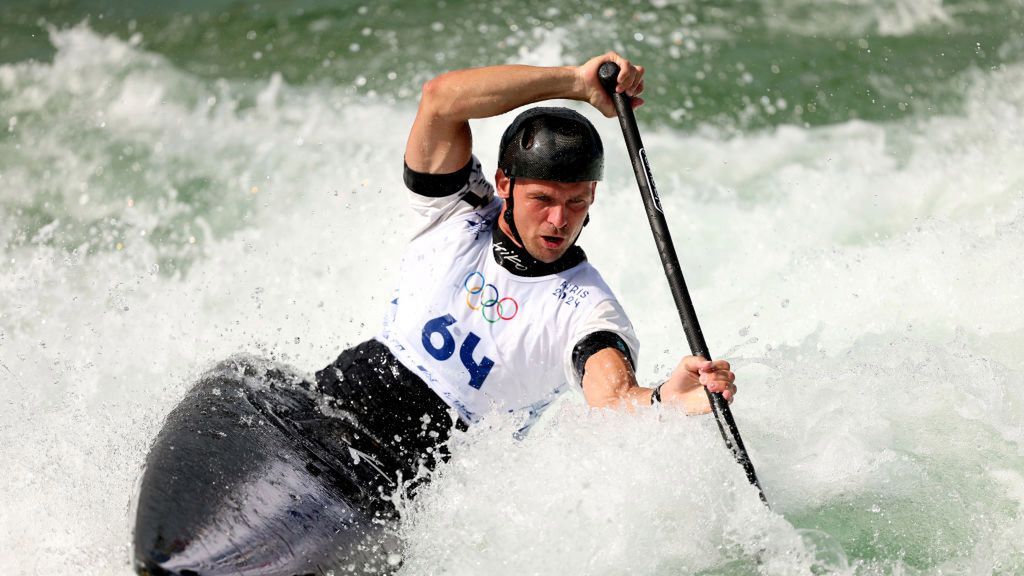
(717, 376)
(636, 80)
(623, 71)
(717, 365)
(725, 389)
(695, 364)
(631, 77)
(715, 385)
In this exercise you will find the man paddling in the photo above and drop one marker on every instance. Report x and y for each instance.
(497, 307)
(258, 471)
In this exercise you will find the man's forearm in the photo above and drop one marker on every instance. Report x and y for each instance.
(440, 140)
(484, 92)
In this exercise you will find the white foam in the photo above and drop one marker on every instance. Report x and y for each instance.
(594, 493)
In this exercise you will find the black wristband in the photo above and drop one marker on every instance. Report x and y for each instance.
(656, 394)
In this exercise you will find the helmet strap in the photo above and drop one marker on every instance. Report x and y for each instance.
(509, 218)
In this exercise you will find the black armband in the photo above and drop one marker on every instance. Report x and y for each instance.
(595, 342)
(437, 185)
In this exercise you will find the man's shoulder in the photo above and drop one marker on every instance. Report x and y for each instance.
(440, 197)
(475, 223)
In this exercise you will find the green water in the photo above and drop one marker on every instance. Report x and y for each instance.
(734, 65)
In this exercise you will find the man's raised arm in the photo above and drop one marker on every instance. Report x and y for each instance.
(440, 141)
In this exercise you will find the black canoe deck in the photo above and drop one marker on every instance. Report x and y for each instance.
(248, 477)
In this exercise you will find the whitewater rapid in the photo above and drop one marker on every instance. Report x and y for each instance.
(863, 278)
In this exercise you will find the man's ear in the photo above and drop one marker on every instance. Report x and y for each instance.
(501, 183)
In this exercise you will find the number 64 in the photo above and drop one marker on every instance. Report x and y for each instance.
(478, 371)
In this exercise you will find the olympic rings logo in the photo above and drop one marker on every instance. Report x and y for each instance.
(485, 297)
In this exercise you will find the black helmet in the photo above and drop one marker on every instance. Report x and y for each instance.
(556, 144)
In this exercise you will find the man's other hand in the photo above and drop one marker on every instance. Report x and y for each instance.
(685, 387)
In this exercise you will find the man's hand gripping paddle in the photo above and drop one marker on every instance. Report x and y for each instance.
(608, 74)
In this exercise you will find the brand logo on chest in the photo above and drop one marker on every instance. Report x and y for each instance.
(506, 255)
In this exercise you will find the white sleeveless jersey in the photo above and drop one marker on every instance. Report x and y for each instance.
(481, 337)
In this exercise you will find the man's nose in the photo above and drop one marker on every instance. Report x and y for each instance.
(557, 216)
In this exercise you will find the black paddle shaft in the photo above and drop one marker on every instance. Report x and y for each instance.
(608, 74)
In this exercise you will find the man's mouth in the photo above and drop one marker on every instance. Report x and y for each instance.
(552, 241)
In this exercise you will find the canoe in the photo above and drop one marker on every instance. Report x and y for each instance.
(253, 475)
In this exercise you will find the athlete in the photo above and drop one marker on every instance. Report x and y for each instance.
(497, 307)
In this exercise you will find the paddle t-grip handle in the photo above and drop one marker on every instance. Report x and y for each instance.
(608, 74)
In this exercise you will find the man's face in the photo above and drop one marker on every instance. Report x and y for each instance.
(549, 215)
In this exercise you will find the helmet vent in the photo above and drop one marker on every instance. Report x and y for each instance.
(529, 135)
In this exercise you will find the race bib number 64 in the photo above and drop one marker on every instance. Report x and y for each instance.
(478, 371)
